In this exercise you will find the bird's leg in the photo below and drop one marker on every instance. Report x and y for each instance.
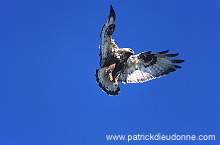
(109, 71)
(110, 77)
(116, 80)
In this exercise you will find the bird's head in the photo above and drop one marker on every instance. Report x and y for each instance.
(128, 51)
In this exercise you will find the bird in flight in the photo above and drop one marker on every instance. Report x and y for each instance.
(121, 65)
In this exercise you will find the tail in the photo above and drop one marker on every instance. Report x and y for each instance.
(104, 82)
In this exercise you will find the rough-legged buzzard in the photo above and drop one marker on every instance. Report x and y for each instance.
(120, 65)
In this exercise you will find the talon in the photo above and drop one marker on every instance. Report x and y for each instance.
(116, 83)
(111, 79)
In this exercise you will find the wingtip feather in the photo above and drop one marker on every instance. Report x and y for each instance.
(162, 52)
(172, 55)
(112, 13)
(176, 61)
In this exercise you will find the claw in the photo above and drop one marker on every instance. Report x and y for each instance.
(116, 83)
(111, 79)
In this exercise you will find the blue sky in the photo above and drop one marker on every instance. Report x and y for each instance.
(48, 58)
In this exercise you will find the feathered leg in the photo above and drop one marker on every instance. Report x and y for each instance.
(109, 71)
(116, 80)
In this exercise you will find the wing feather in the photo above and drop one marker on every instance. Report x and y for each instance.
(107, 45)
(147, 66)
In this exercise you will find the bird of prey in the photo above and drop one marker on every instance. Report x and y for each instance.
(120, 65)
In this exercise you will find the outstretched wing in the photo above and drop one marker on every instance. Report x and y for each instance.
(107, 45)
(146, 66)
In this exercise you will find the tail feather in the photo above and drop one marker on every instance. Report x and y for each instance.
(104, 82)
